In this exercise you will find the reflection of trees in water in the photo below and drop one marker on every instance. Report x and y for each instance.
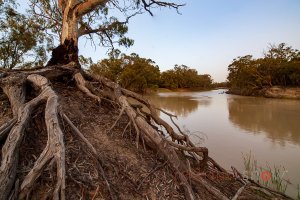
(278, 119)
(179, 105)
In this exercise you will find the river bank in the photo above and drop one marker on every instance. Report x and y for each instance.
(266, 127)
(134, 172)
(271, 92)
(159, 90)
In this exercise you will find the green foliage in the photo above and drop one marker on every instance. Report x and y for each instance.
(168, 79)
(21, 43)
(26, 38)
(220, 85)
(250, 164)
(184, 77)
(85, 62)
(138, 74)
(131, 72)
(101, 26)
(110, 68)
(298, 189)
(279, 66)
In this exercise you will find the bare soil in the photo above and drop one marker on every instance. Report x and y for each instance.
(134, 172)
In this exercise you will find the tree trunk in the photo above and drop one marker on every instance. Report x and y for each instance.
(67, 51)
(70, 23)
(72, 11)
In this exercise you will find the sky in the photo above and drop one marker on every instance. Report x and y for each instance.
(209, 34)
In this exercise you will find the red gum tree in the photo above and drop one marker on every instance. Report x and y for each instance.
(76, 18)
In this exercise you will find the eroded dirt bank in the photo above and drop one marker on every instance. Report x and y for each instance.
(271, 92)
(133, 172)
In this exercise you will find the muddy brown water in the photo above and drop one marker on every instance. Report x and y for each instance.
(231, 126)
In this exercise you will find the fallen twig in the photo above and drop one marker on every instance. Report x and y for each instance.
(150, 173)
(239, 192)
(93, 150)
(118, 118)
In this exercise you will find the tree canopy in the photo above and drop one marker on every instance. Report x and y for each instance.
(138, 74)
(184, 77)
(279, 66)
(130, 71)
(22, 44)
(29, 36)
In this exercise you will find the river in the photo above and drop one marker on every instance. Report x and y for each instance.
(231, 126)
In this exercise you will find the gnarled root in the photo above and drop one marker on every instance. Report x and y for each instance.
(12, 133)
(182, 138)
(5, 128)
(81, 84)
(145, 124)
(152, 138)
(179, 152)
(55, 148)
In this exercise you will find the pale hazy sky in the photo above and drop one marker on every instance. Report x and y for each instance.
(210, 33)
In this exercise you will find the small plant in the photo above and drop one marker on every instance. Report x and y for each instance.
(250, 165)
(298, 188)
(277, 180)
(267, 176)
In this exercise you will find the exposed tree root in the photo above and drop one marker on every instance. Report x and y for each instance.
(55, 145)
(152, 138)
(55, 148)
(181, 139)
(187, 162)
(209, 187)
(81, 84)
(10, 150)
(5, 128)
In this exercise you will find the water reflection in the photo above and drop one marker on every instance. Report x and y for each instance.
(270, 128)
(278, 119)
(179, 105)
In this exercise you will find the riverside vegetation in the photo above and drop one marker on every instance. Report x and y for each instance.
(269, 176)
(68, 134)
(279, 67)
(138, 74)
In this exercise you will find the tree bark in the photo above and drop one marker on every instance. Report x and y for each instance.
(67, 51)
(70, 23)
(72, 11)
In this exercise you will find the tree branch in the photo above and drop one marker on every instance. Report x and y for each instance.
(62, 5)
(148, 5)
(86, 30)
(89, 6)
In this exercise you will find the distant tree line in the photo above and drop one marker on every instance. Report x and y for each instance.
(280, 66)
(220, 84)
(184, 77)
(130, 71)
(138, 74)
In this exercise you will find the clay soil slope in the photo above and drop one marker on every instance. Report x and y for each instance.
(133, 172)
